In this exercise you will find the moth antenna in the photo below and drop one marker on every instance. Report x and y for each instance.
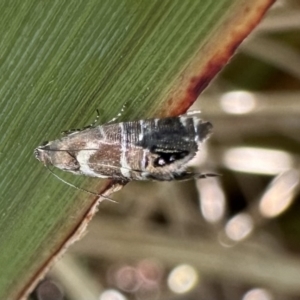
(78, 188)
(118, 115)
(92, 125)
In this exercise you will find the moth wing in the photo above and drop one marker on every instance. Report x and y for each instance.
(175, 135)
(174, 139)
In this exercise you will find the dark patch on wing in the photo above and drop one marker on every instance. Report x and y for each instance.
(169, 135)
(172, 136)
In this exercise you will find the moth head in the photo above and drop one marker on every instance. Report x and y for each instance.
(40, 153)
(49, 154)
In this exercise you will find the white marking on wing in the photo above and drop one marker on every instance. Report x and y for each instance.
(102, 132)
(83, 158)
(183, 120)
(141, 135)
(196, 122)
(145, 151)
(125, 167)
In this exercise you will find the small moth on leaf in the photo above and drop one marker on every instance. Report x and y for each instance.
(153, 149)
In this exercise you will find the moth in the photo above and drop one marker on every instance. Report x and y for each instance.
(153, 149)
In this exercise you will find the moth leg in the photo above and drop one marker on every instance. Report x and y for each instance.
(92, 125)
(206, 175)
(190, 175)
(66, 132)
(120, 181)
(118, 115)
